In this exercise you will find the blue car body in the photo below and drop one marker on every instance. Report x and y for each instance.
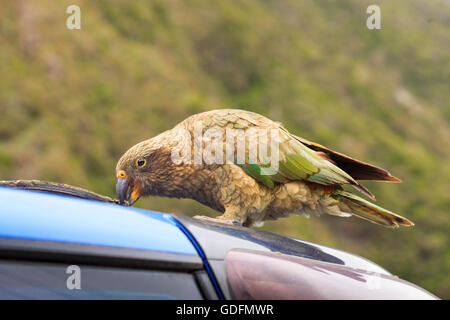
(48, 217)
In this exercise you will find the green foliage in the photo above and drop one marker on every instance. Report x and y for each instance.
(72, 101)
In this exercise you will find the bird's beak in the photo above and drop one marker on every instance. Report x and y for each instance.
(128, 193)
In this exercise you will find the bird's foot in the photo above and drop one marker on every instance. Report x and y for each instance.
(231, 222)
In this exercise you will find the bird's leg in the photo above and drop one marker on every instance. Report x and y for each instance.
(232, 216)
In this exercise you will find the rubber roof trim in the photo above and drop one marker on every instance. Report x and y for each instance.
(20, 249)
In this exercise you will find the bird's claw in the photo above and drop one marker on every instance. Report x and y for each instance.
(235, 222)
(232, 222)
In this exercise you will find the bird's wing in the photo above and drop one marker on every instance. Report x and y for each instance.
(357, 169)
(298, 162)
(295, 161)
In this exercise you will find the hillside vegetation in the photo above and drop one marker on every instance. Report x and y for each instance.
(72, 101)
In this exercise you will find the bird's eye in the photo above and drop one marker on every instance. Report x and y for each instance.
(140, 162)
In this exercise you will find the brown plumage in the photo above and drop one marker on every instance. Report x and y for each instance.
(309, 177)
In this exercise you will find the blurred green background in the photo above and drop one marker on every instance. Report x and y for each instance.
(72, 101)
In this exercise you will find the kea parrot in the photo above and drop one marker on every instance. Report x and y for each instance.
(251, 169)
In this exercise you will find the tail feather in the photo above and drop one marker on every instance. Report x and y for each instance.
(366, 210)
(364, 190)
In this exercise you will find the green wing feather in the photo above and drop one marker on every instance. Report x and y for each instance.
(298, 162)
(254, 170)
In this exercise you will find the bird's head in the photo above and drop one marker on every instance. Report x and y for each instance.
(140, 170)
